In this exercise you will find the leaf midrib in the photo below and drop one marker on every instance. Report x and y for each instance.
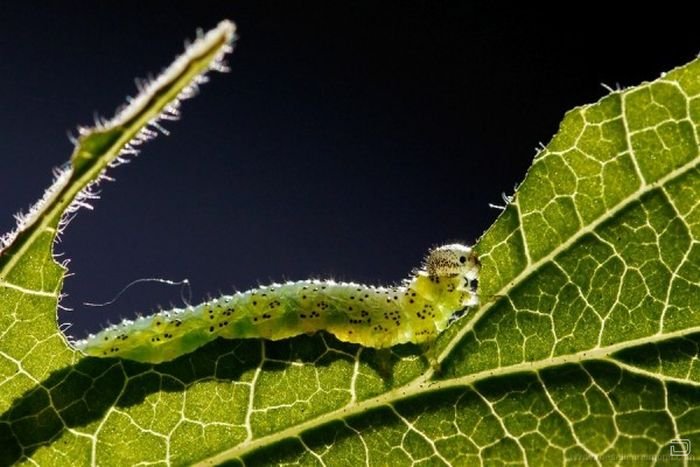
(421, 386)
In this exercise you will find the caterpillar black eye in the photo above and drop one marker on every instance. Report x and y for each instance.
(462, 259)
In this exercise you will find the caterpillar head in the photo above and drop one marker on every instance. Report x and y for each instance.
(453, 260)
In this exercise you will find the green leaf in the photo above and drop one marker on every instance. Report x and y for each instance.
(585, 348)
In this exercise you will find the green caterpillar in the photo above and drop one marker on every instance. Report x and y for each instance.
(416, 311)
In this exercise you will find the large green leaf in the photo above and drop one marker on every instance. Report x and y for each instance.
(585, 348)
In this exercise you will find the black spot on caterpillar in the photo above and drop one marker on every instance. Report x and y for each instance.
(416, 311)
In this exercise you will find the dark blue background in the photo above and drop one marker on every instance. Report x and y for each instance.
(348, 139)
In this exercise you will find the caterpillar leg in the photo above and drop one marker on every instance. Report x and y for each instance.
(385, 365)
(493, 298)
(430, 353)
